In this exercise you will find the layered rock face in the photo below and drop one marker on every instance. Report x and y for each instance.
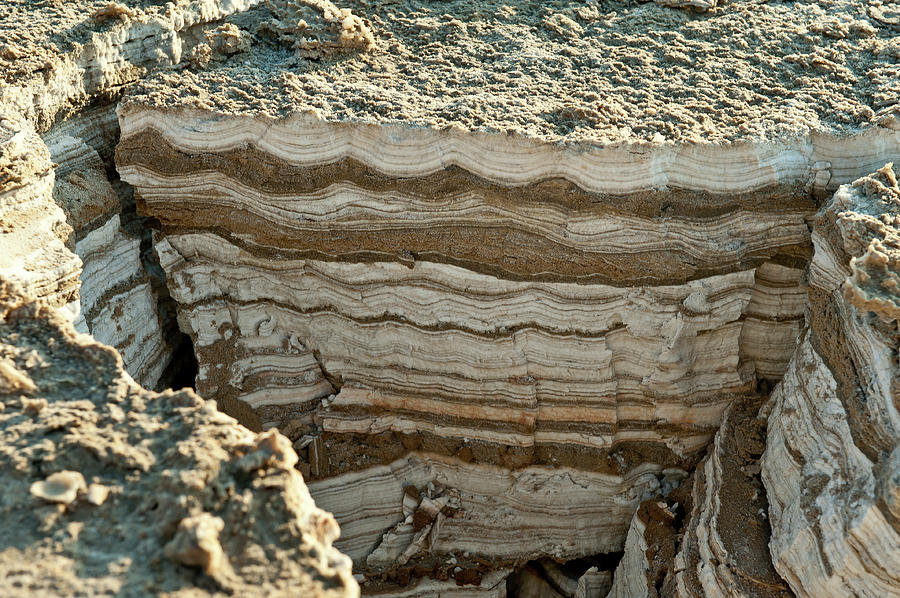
(118, 305)
(488, 348)
(815, 514)
(830, 466)
(109, 488)
(709, 536)
(505, 274)
(349, 306)
(35, 231)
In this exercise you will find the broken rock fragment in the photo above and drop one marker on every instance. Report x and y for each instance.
(830, 461)
(318, 28)
(196, 543)
(62, 487)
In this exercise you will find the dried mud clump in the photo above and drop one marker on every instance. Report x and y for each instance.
(317, 28)
(111, 11)
(221, 42)
(695, 4)
(109, 488)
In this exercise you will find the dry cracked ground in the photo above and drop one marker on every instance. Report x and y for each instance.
(540, 299)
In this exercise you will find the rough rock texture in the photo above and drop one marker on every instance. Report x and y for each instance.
(118, 305)
(709, 536)
(56, 59)
(108, 488)
(827, 520)
(591, 71)
(503, 273)
(361, 310)
(33, 228)
(317, 28)
(62, 67)
(471, 259)
(830, 466)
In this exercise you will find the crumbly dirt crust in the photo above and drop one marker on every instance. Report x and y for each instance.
(572, 72)
(112, 489)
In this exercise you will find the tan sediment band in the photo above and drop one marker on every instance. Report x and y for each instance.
(225, 193)
(151, 150)
(533, 259)
(405, 150)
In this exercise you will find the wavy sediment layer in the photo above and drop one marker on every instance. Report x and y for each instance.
(62, 68)
(709, 536)
(97, 48)
(724, 550)
(118, 306)
(402, 151)
(830, 466)
(473, 321)
(415, 349)
(485, 515)
(371, 315)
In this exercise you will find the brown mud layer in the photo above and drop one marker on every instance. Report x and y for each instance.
(342, 453)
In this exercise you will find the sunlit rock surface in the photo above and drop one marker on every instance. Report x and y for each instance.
(505, 274)
(830, 465)
(826, 520)
(350, 315)
(532, 314)
(34, 229)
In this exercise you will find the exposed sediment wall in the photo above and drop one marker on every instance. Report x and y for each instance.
(814, 514)
(118, 305)
(439, 327)
(830, 465)
(471, 313)
(501, 329)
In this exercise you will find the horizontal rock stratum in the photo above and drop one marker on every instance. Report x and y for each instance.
(533, 301)
(550, 298)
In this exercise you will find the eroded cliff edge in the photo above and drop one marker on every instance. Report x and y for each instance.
(800, 493)
(475, 314)
(476, 310)
(109, 488)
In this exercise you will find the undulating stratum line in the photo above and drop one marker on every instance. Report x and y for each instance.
(566, 299)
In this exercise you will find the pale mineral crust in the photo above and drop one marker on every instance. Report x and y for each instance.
(58, 58)
(62, 67)
(110, 489)
(118, 305)
(830, 465)
(33, 230)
